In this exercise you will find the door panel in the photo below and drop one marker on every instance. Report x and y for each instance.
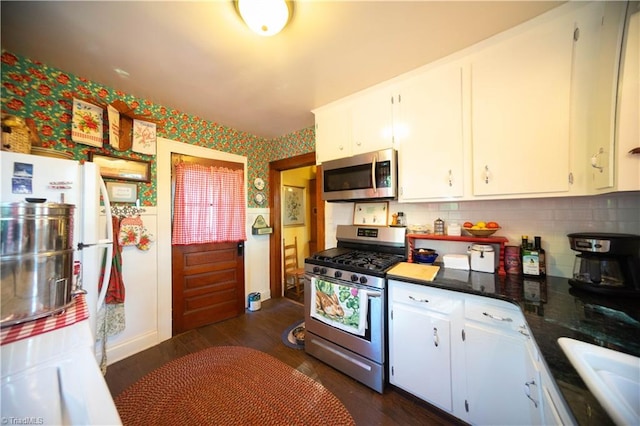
(208, 284)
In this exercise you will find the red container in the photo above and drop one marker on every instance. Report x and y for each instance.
(512, 263)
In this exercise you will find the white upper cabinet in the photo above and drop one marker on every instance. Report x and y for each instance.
(430, 158)
(520, 107)
(535, 111)
(359, 124)
(628, 118)
(594, 85)
(333, 132)
(372, 120)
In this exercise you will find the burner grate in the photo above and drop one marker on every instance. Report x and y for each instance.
(373, 261)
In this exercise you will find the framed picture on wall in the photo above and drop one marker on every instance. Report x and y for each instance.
(122, 192)
(293, 208)
(375, 214)
(122, 168)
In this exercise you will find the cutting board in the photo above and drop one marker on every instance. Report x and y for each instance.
(416, 271)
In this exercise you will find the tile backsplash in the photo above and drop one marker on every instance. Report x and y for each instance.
(550, 218)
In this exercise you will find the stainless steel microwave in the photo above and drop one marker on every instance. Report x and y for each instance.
(370, 176)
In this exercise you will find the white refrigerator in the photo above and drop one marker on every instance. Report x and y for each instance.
(54, 377)
(53, 180)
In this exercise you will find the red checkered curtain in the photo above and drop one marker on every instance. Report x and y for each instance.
(209, 205)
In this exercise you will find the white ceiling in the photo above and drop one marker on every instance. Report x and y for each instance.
(199, 58)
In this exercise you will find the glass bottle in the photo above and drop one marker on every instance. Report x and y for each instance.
(530, 259)
(541, 255)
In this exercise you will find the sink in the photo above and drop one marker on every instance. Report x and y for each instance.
(612, 377)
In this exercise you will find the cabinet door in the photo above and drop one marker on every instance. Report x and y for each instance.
(597, 60)
(420, 354)
(555, 410)
(497, 376)
(431, 137)
(520, 105)
(333, 133)
(628, 132)
(372, 121)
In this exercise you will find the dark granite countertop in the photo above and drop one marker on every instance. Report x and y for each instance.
(554, 309)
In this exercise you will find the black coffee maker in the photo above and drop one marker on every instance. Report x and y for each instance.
(607, 263)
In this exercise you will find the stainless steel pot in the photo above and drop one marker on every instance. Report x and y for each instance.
(36, 260)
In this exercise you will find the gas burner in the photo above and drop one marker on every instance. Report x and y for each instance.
(369, 261)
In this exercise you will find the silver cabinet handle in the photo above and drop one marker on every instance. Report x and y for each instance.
(497, 318)
(418, 300)
(594, 160)
(527, 391)
(436, 338)
(486, 174)
(450, 178)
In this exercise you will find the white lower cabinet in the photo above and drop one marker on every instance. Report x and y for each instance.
(420, 343)
(470, 356)
(502, 384)
(554, 409)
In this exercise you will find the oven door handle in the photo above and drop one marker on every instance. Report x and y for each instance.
(371, 294)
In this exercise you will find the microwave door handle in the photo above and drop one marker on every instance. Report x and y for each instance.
(373, 172)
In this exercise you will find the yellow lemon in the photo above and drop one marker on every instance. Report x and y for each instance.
(481, 225)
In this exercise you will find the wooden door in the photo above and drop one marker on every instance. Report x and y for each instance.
(207, 279)
(208, 284)
(313, 223)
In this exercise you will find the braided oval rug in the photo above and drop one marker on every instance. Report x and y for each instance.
(229, 385)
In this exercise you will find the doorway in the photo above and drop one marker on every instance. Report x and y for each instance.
(316, 226)
(207, 278)
(298, 226)
(165, 264)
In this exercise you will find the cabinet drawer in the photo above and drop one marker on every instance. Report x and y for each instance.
(493, 312)
(423, 297)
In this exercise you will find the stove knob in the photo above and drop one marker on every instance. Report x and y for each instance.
(354, 278)
(363, 280)
(337, 274)
(316, 269)
(323, 271)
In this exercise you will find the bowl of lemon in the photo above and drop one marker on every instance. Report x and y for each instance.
(481, 229)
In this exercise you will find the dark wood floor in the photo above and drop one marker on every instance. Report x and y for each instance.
(262, 330)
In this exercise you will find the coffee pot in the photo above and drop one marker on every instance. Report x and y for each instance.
(606, 263)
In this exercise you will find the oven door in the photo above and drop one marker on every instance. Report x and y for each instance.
(371, 344)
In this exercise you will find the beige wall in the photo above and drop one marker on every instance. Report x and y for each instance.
(299, 177)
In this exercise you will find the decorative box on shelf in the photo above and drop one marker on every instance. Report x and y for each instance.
(501, 241)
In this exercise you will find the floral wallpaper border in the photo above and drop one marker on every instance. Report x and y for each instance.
(33, 89)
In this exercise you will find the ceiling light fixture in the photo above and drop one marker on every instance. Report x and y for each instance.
(265, 17)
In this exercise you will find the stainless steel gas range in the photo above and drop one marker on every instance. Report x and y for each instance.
(346, 301)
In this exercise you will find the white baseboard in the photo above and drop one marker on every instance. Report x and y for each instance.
(127, 348)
